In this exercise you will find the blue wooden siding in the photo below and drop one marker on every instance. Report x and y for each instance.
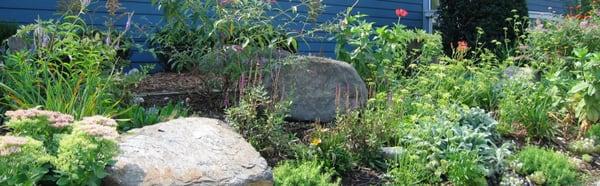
(145, 15)
(379, 11)
(552, 6)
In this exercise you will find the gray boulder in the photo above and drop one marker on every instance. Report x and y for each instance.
(16, 43)
(187, 151)
(317, 87)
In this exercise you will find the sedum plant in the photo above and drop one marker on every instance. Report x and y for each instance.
(39, 124)
(556, 167)
(22, 160)
(290, 173)
(68, 152)
(83, 155)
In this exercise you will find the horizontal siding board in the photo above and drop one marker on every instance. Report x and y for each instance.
(147, 18)
(556, 6)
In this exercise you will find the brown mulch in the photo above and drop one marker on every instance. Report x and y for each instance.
(197, 91)
(173, 82)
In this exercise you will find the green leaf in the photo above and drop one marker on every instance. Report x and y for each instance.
(579, 87)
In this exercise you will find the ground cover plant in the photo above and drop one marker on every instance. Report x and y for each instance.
(47, 146)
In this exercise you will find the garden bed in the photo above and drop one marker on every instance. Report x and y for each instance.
(192, 89)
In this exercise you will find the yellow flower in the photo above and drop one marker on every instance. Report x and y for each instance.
(315, 141)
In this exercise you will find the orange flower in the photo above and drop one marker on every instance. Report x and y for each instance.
(463, 46)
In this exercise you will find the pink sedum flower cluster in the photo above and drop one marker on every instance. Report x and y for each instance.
(98, 120)
(101, 131)
(56, 119)
(11, 144)
(99, 126)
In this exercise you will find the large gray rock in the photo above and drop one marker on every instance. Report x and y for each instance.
(317, 87)
(188, 151)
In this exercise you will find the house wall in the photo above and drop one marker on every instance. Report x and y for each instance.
(552, 6)
(145, 15)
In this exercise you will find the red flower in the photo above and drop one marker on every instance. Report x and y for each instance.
(401, 12)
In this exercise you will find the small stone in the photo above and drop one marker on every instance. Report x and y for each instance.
(392, 152)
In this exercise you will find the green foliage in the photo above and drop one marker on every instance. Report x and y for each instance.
(553, 41)
(594, 132)
(68, 152)
(68, 71)
(138, 116)
(584, 146)
(382, 55)
(22, 161)
(365, 132)
(528, 104)
(555, 166)
(437, 139)
(7, 30)
(200, 33)
(259, 119)
(457, 82)
(329, 147)
(305, 173)
(82, 158)
(38, 128)
(464, 169)
(463, 20)
(585, 92)
(410, 169)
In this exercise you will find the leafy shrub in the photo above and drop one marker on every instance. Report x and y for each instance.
(462, 20)
(528, 104)
(199, 32)
(556, 167)
(385, 54)
(366, 131)
(138, 116)
(329, 147)
(75, 153)
(550, 41)
(68, 71)
(464, 169)
(457, 82)
(22, 160)
(259, 119)
(410, 169)
(584, 92)
(291, 173)
(84, 154)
